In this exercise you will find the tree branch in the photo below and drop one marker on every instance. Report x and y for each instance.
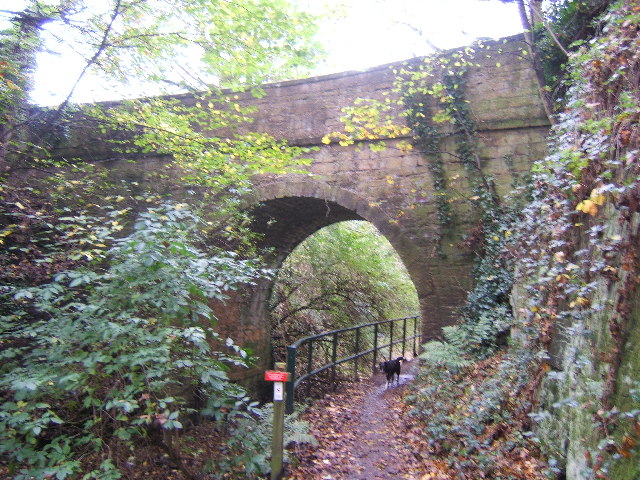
(547, 104)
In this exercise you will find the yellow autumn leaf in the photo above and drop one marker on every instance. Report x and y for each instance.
(597, 198)
(580, 301)
(587, 206)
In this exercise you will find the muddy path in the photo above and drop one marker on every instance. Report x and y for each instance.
(361, 434)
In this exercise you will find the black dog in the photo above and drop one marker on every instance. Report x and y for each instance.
(391, 368)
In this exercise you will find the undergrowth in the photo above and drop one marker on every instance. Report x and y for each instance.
(121, 351)
(567, 383)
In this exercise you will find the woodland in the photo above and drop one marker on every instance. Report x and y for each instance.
(110, 362)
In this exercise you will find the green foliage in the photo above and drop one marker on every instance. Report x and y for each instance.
(159, 47)
(368, 120)
(106, 327)
(568, 24)
(183, 132)
(473, 338)
(119, 352)
(190, 43)
(576, 260)
(250, 441)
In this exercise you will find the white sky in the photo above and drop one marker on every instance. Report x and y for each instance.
(375, 32)
(372, 32)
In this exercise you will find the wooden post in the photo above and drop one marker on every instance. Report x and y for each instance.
(278, 425)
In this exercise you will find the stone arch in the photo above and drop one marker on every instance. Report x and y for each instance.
(286, 212)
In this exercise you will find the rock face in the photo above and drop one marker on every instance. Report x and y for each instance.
(392, 189)
(570, 416)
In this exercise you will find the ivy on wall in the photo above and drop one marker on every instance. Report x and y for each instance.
(579, 265)
(436, 107)
(430, 93)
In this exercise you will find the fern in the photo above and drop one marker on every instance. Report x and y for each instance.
(445, 354)
(251, 438)
(296, 431)
(468, 340)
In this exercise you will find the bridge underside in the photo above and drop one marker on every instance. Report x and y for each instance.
(285, 222)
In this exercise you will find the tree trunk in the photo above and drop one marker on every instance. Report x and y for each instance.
(527, 24)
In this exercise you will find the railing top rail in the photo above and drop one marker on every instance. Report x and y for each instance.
(300, 341)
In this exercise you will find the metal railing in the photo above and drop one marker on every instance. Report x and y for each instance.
(367, 339)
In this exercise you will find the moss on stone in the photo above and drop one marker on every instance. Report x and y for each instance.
(628, 467)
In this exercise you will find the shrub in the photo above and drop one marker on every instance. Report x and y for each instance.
(101, 356)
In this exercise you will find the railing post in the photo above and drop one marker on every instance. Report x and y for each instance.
(415, 333)
(375, 347)
(404, 334)
(309, 366)
(356, 352)
(334, 357)
(290, 385)
(391, 340)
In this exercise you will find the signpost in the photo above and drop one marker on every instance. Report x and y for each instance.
(278, 377)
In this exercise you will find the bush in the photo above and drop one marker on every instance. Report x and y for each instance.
(102, 356)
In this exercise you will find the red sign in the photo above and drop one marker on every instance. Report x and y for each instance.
(276, 376)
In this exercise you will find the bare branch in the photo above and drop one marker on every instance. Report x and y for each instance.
(103, 45)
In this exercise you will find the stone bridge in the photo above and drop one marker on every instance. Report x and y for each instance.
(392, 188)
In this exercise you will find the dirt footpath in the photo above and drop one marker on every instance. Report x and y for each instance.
(361, 435)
